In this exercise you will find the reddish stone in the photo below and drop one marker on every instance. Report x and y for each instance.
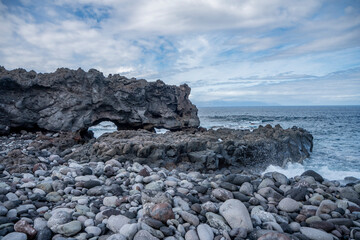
(326, 226)
(39, 166)
(274, 236)
(162, 212)
(354, 209)
(300, 218)
(143, 172)
(25, 227)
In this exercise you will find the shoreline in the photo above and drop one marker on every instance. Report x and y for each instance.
(66, 199)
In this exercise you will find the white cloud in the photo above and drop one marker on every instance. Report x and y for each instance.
(185, 41)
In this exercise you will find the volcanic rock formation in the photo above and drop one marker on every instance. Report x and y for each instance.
(201, 149)
(74, 100)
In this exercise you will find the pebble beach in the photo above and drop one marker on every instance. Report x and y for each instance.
(63, 199)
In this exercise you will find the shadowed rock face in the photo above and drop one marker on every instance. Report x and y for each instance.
(73, 100)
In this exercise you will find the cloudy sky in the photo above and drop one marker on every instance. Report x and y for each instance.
(230, 52)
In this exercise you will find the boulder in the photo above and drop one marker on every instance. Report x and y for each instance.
(236, 214)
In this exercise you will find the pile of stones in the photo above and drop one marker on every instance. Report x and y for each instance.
(46, 195)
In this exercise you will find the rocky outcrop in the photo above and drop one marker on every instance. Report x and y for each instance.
(73, 100)
(201, 149)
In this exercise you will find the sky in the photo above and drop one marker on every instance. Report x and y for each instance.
(230, 52)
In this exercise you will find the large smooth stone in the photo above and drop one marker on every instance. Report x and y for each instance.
(313, 174)
(204, 232)
(116, 222)
(15, 236)
(315, 234)
(236, 214)
(288, 205)
(69, 229)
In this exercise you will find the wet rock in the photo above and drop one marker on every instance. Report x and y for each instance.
(313, 174)
(280, 178)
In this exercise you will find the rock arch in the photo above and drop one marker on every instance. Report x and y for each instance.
(74, 100)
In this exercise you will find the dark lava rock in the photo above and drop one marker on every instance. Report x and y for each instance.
(286, 227)
(91, 183)
(44, 234)
(298, 194)
(324, 225)
(110, 212)
(341, 221)
(86, 171)
(4, 220)
(116, 189)
(229, 186)
(349, 193)
(240, 179)
(153, 222)
(313, 174)
(240, 196)
(167, 231)
(201, 189)
(130, 103)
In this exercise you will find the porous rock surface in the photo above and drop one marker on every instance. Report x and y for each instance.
(201, 149)
(73, 100)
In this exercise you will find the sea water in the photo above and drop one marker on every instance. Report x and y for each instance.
(336, 132)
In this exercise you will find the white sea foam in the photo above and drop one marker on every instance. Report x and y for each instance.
(161, 130)
(103, 127)
(296, 169)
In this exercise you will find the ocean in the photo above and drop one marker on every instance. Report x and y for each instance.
(336, 131)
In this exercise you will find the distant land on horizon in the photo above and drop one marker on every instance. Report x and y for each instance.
(261, 104)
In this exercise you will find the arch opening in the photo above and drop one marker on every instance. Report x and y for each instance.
(105, 126)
